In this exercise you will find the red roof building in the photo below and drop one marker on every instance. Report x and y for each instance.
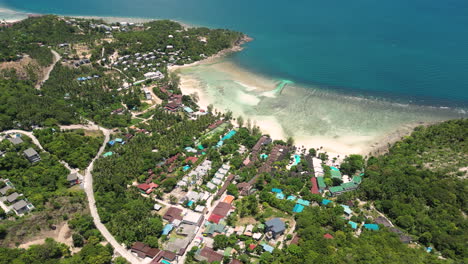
(191, 159)
(144, 251)
(252, 246)
(222, 209)
(328, 236)
(172, 214)
(210, 255)
(214, 218)
(314, 189)
(147, 188)
(215, 124)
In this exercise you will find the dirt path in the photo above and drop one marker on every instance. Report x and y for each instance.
(49, 69)
(62, 234)
(88, 187)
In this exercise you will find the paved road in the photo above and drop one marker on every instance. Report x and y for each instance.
(57, 58)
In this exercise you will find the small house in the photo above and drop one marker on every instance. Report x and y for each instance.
(73, 179)
(275, 226)
(32, 155)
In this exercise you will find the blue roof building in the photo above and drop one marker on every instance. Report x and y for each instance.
(353, 224)
(188, 109)
(275, 226)
(111, 143)
(298, 208)
(326, 201)
(268, 248)
(373, 227)
(291, 198)
(347, 210)
(303, 202)
(167, 229)
(118, 140)
(276, 190)
(280, 196)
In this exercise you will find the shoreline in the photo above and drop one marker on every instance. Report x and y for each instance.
(341, 144)
(268, 124)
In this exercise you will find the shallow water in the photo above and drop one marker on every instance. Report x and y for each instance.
(313, 116)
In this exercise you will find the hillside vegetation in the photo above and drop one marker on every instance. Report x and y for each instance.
(421, 185)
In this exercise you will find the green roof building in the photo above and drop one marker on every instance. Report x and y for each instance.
(357, 179)
(321, 183)
(349, 186)
(336, 190)
(335, 174)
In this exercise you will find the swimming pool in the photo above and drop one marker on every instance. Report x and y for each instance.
(334, 168)
(186, 167)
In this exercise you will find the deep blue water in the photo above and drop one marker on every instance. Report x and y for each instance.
(407, 49)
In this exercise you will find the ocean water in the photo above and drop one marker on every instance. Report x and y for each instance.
(339, 74)
(414, 50)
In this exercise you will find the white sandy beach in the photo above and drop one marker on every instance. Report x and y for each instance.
(341, 125)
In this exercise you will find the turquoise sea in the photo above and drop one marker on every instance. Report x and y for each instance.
(405, 49)
(359, 68)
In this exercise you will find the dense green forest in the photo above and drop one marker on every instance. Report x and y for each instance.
(21, 106)
(420, 186)
(74, 147)
(33, 35)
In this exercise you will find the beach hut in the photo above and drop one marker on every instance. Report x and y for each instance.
(353, 225)
(303, 202)
(298, 208)
(276, 190)
(280, 196)
(373, 227)
(291, 198)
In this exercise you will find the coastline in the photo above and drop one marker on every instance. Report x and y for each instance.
(255, 90)
(219, 82)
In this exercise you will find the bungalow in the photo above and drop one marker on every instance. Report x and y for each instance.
(275, 226)
(211, 186)
(172, 214)
(373, 227)
(268, 248)
(32, 155)
(147, 188)
(143, 250)
(73, 179)
(209, 255)
(191, 159)
(15, 140)
(164, 257)
(173, 107)
(315, 187)
(12, 197)
(321, 184)
(222, 209)
(328, 236)
(20, 207)
(4, 190)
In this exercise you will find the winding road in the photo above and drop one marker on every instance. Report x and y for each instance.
(88, 185)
